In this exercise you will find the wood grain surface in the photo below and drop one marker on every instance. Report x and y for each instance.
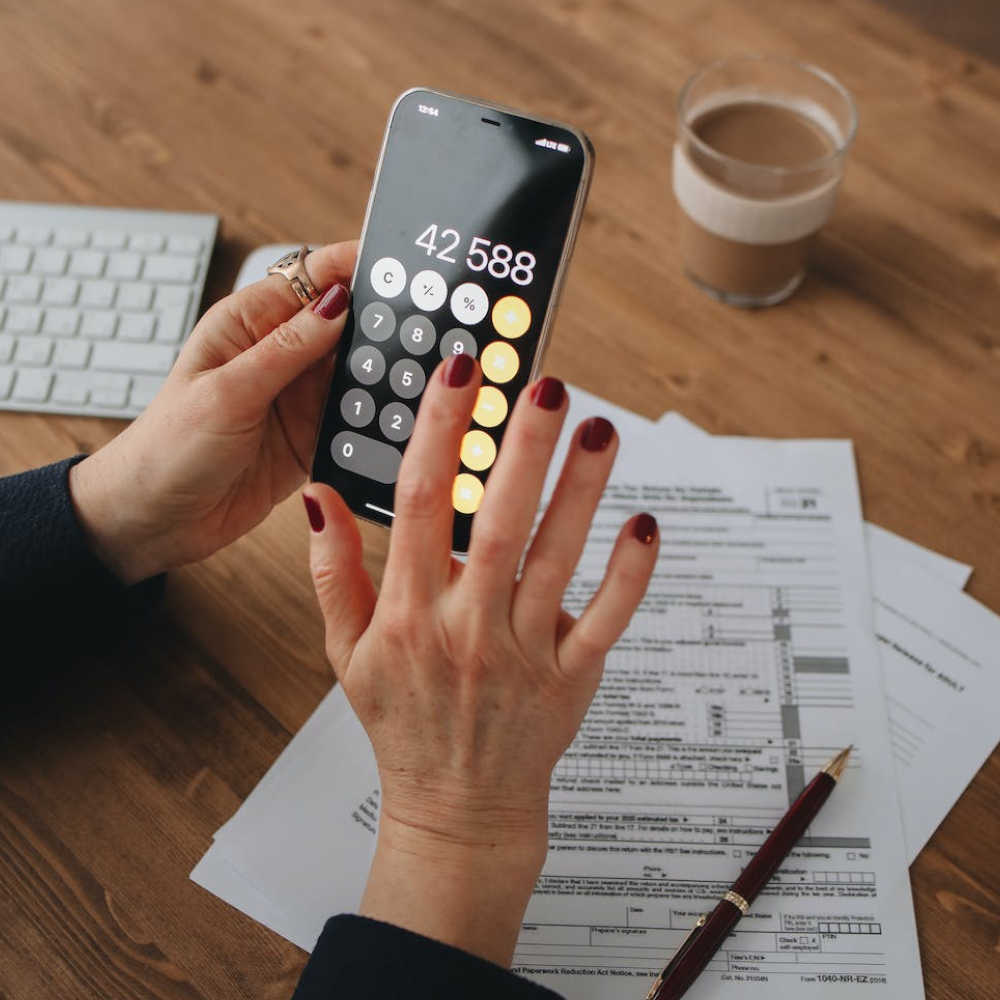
(271, 115)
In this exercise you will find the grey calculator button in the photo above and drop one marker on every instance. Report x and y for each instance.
(396, 421)
(378, 321)
(453, 338)
(366, 456)
(367, 365)
(407, 379)
(417, 334)
(357, 407)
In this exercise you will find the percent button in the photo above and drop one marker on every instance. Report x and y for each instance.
(469, 304)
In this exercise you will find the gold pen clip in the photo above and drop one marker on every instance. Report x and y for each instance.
(678, 955)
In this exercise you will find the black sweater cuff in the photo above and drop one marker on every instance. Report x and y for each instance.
(53, 588)
(366, 959)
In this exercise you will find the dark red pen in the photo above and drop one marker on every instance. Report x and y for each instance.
(711, 930)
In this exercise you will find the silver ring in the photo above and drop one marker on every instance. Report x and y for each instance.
(292, 267)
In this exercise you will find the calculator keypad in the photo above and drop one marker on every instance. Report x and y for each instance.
(397, 347)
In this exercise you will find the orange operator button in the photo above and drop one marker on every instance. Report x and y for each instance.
(499, 361)
(478, 450)
(511, 317)
(491, 407)
(466, 493)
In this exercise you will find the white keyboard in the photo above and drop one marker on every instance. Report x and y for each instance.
(95, 303)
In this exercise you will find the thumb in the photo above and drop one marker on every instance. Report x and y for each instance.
(259, 373)
(343, 587)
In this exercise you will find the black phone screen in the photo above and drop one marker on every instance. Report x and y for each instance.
(470, 219)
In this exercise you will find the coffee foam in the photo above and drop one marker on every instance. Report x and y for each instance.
(760, 221)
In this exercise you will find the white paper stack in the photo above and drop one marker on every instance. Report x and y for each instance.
(778, 628)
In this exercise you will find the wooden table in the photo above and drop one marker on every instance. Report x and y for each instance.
(271, 115)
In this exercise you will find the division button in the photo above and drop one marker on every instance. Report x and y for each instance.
(458, 341)
(417, 334)
(511, 317)
(407, 379)
(396, 421)
(388, 277)
(366, 456)
(466, 493)
(500, 363)
(469, 304)
(428, 290)
(491, 407)
(479, 451)
(378, 321)
(357, 407)
(367, 365)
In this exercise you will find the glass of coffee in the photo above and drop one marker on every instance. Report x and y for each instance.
(759, 155)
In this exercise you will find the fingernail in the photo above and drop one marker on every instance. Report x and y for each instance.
(597, 434)
(458, 370)
(644, 528)
(315, 513)
(333, 302)
(548, 393)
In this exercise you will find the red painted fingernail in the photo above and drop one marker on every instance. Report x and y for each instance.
(645, 528)
(596, 434)
(315, 512)
(333, 302)
(458, 370)
(548, 393)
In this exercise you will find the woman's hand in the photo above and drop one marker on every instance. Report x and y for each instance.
(471, 682)
(228, 436)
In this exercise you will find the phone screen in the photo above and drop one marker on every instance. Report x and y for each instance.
(469, 225)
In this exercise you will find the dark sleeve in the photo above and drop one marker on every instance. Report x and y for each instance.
(369, 960)
(53, 589)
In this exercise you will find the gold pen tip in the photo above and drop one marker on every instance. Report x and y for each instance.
(835, 766)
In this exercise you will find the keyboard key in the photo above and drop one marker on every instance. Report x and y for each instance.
(146, 242)
(108, 390)
(87, 263)
(134, 295)
(32, 386)
(61, 322)
(71, 354)
(36, 236)
(71, 387)
(178, 269)
(99, 294)
(50, 261)
(170, 326)
(6, 347)
(144, 388)
(135, 326)
(122, 357)
(33, 351)
(109, 239)
(23, 288)
(123, 265)
(98, 325)
(172, 295)
(60, 291)
(14, 260)
(189, 245)
(366, 456)
(71, 239)
(23, 319)
(6, 381)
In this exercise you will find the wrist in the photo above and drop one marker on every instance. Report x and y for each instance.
(111, 515)
(468, 894)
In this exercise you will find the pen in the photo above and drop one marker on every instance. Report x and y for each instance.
(707, 935)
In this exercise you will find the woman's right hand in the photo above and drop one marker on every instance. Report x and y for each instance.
(470, 681)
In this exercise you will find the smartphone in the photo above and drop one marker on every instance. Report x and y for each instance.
(468, 232)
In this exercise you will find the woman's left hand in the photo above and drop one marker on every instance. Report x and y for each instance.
(229, 435)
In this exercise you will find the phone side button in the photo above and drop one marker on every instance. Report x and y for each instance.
(366, 456)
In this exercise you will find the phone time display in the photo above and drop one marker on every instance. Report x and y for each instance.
(498, 259)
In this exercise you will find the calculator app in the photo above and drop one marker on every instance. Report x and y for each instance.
(466, 232)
